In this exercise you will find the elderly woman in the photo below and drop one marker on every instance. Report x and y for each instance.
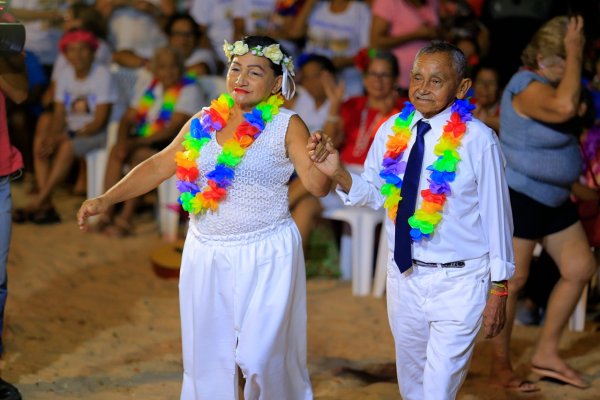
(83, 100)
(154, 117)
(242, 284)
(353, 123)
(542, 152)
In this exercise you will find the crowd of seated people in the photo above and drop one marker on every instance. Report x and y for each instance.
(94, 62)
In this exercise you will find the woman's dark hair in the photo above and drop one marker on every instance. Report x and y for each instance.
(91, 19)
(484, 64)
(264, 41)
(186, 17)
(388, 57)
(323, 62)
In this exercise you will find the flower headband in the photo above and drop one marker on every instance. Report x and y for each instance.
(274, 54)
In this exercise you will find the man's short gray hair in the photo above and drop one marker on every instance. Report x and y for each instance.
(459, 62)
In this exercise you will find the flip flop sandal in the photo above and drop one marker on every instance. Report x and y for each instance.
(21, 215)
(560, 377)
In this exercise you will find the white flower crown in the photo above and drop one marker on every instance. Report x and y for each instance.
(272, 52)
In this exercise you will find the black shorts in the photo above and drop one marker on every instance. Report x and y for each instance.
(534, 220)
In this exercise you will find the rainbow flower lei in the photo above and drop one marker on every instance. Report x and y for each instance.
(443, 170)
(143, 127)
(213, 119)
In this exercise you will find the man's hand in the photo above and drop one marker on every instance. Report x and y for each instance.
(323, 154)
(494, 315)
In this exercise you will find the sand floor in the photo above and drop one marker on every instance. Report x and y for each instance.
(87, 318)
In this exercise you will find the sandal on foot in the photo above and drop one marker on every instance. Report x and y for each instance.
(48, 216)
(119, 228)
(101, 224)
(521, 386)
(21, 215)
(559, 376)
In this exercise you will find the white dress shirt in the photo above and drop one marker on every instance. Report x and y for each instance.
(477, 218)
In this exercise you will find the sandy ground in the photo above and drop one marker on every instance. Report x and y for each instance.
(87, 318)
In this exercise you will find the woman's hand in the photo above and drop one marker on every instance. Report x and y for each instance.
(333, 90)
(90, 207)
(574, 38)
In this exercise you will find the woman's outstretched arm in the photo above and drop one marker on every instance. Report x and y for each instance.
(140, 180)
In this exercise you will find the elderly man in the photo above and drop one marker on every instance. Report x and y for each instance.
(439, 173)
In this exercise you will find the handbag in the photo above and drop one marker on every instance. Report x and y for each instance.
(589, 211)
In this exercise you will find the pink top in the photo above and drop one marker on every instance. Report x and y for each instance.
(10, 158)
(404, 18)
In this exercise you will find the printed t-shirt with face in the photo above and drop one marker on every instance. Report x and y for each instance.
(80, 97)
(338, 34)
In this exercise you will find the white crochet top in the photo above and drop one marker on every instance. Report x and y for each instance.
(258, 196)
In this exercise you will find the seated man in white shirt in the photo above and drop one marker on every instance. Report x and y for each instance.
(447, 255)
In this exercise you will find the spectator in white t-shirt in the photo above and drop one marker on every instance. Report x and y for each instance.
(77, 16)
(315, 76)
(82, 104)
(150, 123)
(215, 20)
(337, 29)
(42, 20)
(134, 30)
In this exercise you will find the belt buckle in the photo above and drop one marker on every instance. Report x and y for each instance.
(455, 264)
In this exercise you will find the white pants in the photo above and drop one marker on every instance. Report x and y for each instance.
(435, 314)
(243, 303)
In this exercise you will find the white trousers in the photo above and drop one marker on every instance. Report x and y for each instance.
(243, 303)
(435, 314)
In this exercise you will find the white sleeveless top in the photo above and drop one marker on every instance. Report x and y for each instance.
(258, 196)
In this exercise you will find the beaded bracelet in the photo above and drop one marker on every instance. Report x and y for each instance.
(499, 293)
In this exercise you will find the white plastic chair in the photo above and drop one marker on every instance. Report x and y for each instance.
(96, 164)
(383, 257)
(357, 247)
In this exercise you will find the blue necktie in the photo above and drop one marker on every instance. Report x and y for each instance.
(409, 191)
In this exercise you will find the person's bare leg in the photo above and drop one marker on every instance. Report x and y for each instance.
(41, 161)
(63, 160)
(570, 250)
(121, 225)
(502, 372)
(80, 188)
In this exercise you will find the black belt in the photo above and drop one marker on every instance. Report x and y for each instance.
(455, 264)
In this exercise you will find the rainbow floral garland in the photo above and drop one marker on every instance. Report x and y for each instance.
(143, 127)
(443, 170)
(213, 119)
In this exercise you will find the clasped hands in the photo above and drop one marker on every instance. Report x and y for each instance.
(322, 153)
